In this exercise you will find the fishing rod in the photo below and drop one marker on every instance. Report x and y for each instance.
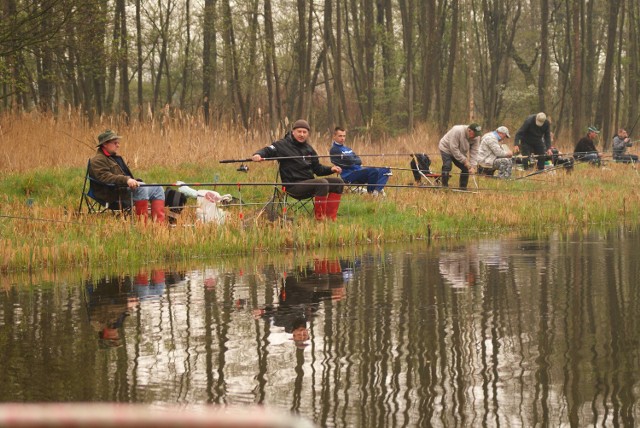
(284, 185)
(341, 156)
(541, 171)
(84, 143)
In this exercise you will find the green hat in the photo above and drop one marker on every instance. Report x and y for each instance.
(593, 129)
(475, 128)
(107, 136)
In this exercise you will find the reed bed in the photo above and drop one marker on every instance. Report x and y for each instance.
(45, 161)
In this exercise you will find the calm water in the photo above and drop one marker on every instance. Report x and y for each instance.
(497, 332)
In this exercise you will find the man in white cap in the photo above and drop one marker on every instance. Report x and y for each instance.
(534, 137)
(493, 155)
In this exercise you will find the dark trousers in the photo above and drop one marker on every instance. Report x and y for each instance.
(447, 160)
(315, 187)
(538, 149)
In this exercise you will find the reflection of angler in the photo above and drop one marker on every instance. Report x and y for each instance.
(108, 302)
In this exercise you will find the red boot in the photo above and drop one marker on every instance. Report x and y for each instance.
(320, 207)
(142, 210)
(333, 202)
(157, 211)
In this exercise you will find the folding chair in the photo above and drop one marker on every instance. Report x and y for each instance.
(282, 203)
(420, 166)
(94, 205)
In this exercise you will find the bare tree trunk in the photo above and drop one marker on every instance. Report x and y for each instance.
(633, 106)
(208, 57)
(370, 41)
(114, 59)
(329, 45)
(603, 112)
(343, 113)
(231, 63)
(139, 58)
(452, 62)
(125, 99)
(576, 82)
(273, 91)
(544, 54)
(406, 13)
(187, 54)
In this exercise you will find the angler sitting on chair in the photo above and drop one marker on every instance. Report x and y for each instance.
(585, 150)
(298, 162)
(351, 164)
(109, 168)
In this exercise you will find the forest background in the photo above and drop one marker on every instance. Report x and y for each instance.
(377, 66)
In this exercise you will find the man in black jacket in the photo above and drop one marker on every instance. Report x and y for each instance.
(534, 136)
(299, 165)
(585, 150)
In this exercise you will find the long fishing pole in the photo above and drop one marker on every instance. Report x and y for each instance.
(285, 185)
(313, 157)
(84, 143)
(541, 171)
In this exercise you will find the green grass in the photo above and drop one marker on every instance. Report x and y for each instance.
(40, 229)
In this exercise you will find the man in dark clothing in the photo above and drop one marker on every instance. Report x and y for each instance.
(114, 180)
(534, 136)
(585, 150)
(620, 143)
(299, 168)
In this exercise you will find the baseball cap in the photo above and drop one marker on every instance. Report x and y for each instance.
(475, 128)
(504, 130)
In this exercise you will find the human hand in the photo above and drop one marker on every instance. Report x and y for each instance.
(336, 169)
(472, 170)
(256, 158)
(133, 183)
(516, 149)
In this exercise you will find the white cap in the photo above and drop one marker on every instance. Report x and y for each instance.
(503, 130)
(540, 118)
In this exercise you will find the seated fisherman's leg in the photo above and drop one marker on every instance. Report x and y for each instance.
(141, 202)
(156, 196)
(318, 189)
(335, 188)
(372, 179)
(504, 167)
(383, 177)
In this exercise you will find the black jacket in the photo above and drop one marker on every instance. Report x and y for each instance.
(532, 134)
(584, 146)
(299, 168)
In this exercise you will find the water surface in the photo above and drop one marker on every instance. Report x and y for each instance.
(496, 332)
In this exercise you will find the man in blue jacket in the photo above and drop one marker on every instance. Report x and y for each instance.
(351, 164)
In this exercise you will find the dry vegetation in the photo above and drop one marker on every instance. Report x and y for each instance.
(44, 158)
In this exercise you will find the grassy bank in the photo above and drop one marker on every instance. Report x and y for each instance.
(39, 227)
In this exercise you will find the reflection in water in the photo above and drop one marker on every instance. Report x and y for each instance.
(493, 333)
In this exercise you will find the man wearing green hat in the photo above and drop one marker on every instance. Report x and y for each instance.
(460, 147)
(585, 150)
(108, 168)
